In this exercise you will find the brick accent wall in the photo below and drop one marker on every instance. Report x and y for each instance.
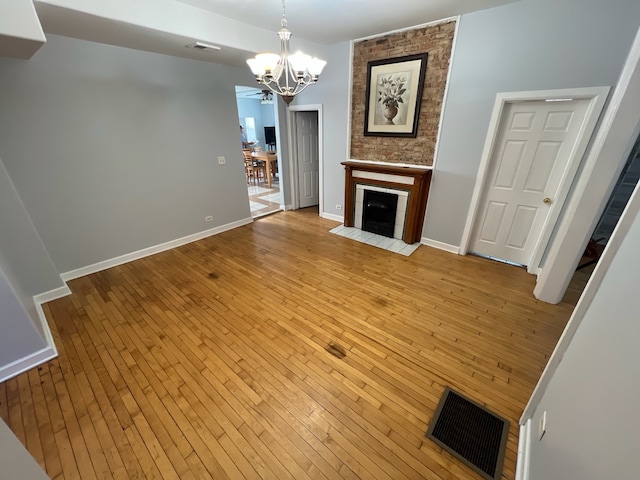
(436, 40)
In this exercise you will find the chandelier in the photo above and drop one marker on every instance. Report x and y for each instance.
(286, 74)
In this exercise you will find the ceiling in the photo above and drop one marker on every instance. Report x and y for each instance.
(316, 22)
(332, 21)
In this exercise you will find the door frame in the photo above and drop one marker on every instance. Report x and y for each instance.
(293, 146)
(597, 97)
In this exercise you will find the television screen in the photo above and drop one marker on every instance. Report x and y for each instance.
(270, 135)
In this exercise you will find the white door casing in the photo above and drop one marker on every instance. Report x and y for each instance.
(292, 112)
(306, 131)
(535, 143)
(530, 158)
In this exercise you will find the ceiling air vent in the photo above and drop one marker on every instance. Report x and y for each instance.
(203, 46)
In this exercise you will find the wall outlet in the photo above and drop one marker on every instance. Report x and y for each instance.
(542, 426)
(338, 207)
(208, 219)
(221, 161)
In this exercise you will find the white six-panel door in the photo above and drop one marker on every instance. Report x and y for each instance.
(533, 146)
(308, 158)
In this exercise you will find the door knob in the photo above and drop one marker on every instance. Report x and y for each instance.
(547, 200)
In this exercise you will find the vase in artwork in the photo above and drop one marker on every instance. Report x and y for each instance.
(390, 111)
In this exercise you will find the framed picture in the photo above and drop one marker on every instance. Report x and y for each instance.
(394, 94)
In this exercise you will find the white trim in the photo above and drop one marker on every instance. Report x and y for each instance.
(293, 165)
(145, 252)
(411, 165)
(524, 452)
(611, 147)
(27, 363)
(48, 337)
(629, 215)
(51, 295)
(383, 177)
(445, 95)
(349, 104)
(45, 354)
(406, 29)
(440, 245)
(331, 216)
(286, 207)
(597, 97)
(41, 299)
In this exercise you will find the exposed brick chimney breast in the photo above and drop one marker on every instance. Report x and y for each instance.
(436, 40)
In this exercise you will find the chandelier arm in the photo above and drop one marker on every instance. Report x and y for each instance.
(284, 55)
(269, 73)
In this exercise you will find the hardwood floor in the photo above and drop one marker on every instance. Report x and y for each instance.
(209, 360)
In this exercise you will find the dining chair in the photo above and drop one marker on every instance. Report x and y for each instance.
(260, 170)
(254, 169)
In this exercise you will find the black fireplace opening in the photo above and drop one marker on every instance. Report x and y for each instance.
(379, 212)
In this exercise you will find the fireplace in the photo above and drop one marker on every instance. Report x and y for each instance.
(379, 212)
(410, 186)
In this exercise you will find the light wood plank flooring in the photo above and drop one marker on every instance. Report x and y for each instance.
(209, 360)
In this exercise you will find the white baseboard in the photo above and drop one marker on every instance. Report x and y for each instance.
(286, 207)
(331, 216)
(51, 295)
(145, 252)
(524, 452)
(50, 352)
(47, 353)
(440, 245)
(27, 363)
(48, 337)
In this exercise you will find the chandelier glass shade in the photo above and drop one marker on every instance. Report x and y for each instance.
(286, 74)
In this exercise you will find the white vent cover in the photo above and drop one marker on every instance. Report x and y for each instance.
(203, 46)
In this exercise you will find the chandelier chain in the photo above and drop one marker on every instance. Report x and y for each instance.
(283, 22)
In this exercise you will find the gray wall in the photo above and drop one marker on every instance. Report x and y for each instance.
(593, 426)
(16, 462)
(527, 45)
(113, 150)
(332, 91)
(18, 334)
(23, 258)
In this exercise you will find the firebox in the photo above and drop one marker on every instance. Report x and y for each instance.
(379, 212)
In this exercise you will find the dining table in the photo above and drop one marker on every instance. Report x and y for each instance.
(270, 158)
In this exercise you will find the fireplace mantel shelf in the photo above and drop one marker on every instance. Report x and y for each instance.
(414, 180)
(386, 167)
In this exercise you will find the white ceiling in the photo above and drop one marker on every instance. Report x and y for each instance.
(241, 27)
(332, 21)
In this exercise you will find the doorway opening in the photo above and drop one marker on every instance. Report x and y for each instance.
(616, 204)
(305, 127)
(259, 150)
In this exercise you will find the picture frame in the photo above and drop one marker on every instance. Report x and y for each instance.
(394, 95)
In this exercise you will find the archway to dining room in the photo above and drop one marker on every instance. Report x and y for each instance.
(258, 139)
